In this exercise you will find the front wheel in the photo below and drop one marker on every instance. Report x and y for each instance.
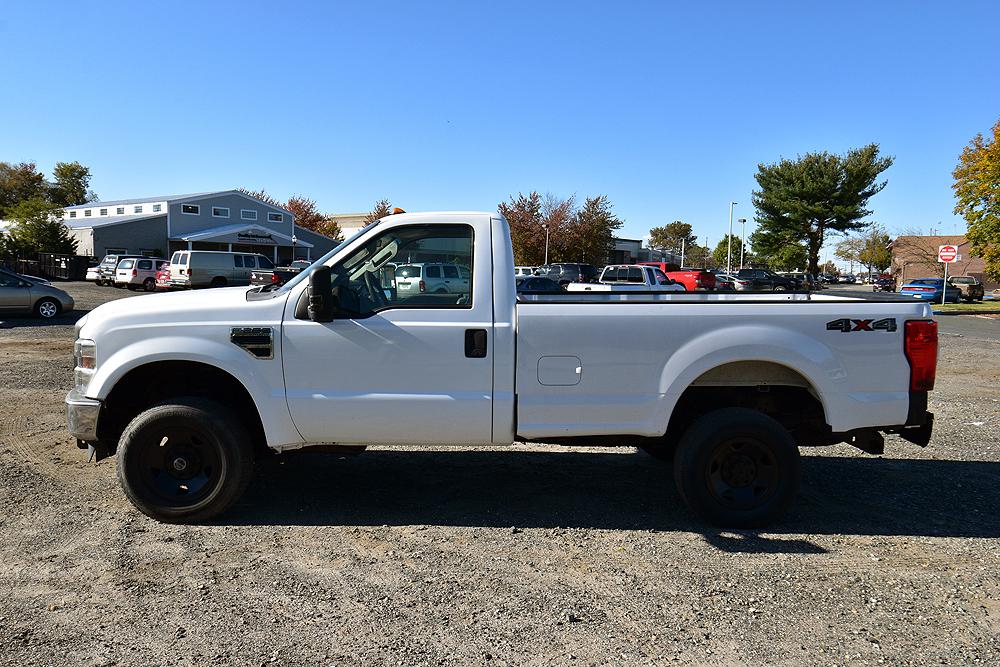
(780, 288)
(737, 468)
(149, 284)
(47, 308)
(185, 461)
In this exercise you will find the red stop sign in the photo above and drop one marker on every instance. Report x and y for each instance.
(947, 253)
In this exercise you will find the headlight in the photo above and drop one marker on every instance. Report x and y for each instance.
(85, 362)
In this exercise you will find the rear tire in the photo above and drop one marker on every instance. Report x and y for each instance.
(780, 288)
(149, 284)
(185, 461)
(737, 468)
(218, 281)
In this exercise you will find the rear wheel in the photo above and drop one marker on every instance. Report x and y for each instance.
(47, 308)
(780, 288)
(185, 461)
(737, 467)
(149, 284)
(218, 281)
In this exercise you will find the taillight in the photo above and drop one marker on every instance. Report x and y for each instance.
(920, 344)
(134, 273)
(274, 278)
(423, 286)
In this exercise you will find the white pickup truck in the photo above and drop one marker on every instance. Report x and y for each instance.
(188, 388)
(629, 278)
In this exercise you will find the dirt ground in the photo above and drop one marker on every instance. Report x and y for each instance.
(530, 555)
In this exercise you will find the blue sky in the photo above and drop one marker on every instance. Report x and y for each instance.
(665, 107)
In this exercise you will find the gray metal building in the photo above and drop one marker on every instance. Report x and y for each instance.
(158, 226)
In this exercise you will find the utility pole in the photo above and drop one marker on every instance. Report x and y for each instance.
(729, 252)
(546, 228)
(683, 242)
(743, 238)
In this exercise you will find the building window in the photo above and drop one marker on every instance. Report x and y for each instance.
(275, 217)
(247, 214)
(149, 252)
(87, 213)
(116, 251)
(191, 209)
(220, 212)
(157, 208)
(104, 211)
(72, 214)
(120, 210)
(137, 209)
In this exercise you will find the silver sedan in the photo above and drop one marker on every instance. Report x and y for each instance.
(24, 294)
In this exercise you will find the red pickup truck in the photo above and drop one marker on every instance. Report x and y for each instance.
(692, 279)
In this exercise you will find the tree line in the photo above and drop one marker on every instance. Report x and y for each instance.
(33, 204)
(576, 233)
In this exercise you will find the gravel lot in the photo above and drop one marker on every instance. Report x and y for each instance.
(529, 555)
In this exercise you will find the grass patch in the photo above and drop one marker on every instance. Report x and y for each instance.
(985, 306)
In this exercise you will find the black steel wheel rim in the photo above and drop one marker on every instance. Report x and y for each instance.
(742, 473)
(180, 466)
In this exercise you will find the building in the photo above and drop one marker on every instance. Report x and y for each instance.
(916, 257)
(631, 251)
(158, 226)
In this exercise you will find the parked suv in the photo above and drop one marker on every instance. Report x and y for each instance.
(412, 279)
(762, 279)
(972, 289)
(136, 273)
(105, 274)
(564, 274)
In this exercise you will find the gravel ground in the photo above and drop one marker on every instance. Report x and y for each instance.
(528, 555)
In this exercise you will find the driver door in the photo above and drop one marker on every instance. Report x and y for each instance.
(397, 366)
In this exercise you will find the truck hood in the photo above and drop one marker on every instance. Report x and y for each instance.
(227, 304)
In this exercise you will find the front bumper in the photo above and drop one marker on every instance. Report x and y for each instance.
(81, 416)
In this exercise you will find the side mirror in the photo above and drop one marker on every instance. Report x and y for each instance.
(323, 303)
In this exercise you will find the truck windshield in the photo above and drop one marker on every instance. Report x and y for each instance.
(322, 261)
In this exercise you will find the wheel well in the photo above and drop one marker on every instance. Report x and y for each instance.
(778, 391)
(156, 382)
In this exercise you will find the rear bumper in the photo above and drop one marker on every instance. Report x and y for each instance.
(82, 414)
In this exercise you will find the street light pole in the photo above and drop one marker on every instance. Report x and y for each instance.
(546, 228)
(729, 252)
(743, 238)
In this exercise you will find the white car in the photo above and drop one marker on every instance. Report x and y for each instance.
(629, 277)
(412, 279)
(520, 271)
(187, 387)
(139, 273)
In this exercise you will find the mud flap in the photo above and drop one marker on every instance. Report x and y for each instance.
(919, 435)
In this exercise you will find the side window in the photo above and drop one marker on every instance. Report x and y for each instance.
(450, 271)
(368, 282)
(761, 274)
(7, 280)
(249, 262)
(611, 274)
(634, 274)
(238, 261)
(265, 263)
(661, 277)
(145, 265)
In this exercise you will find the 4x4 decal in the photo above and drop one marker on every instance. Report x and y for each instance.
(847, 325)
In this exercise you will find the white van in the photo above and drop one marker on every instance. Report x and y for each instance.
(209, 268)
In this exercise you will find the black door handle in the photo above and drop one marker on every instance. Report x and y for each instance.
(475, 343)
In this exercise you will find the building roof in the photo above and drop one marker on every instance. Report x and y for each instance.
(174, 198)
(107, 220)
(230, 234)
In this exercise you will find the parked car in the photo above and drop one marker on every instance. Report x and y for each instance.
(524, 271)
(764, 280)
(692, 279)
(848, 279)
(105, 274)
(972, 289)
(163, 278)
(564, 274)
(536, 284)
(629, 277)
(804, 280)
(210, 268)
(93, 272)
(279, 275)
(884, 284)
(412, 279)
(139, 273)
(929, 289)
(724, 282)
(326, 359)
(20, 294)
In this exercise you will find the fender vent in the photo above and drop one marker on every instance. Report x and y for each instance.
(258, 341)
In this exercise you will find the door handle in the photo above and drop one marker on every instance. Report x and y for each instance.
(475, 343)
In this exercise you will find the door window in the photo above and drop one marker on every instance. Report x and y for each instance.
(238, 261)
(7, 280)
(450, 271)
(363, 289)
(145, 265)
(249, 262)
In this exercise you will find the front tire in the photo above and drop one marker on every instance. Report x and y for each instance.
(185, 461)
(737, 468)
(780, 288)
(149, 284)
(47, 308)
